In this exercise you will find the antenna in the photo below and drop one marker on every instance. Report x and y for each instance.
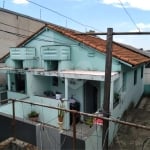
(66, 23)
(3, 3)
(40, 14)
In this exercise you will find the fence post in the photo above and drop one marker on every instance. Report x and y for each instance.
(14, 120)
(74, 130)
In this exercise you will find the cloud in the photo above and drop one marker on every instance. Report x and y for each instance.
(142, 26)
(139, 4)
(20, 1)
(74, 0)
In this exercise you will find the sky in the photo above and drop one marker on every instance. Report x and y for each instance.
(98, 15)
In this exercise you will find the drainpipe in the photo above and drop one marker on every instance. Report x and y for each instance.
(66, 88)
(9, 85)
(14, 120)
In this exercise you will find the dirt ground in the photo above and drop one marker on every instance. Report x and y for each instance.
(130, 138)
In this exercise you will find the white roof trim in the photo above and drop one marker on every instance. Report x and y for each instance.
(74, 74)
(89, 75)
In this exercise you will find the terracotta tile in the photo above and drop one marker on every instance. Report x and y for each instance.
(121, 52)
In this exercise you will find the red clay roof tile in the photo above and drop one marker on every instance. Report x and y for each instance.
(124, 53)
(120, 51)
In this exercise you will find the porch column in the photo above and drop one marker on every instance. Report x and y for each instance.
(111, 95)
(101, 94)
(66, 88)
(8, 80)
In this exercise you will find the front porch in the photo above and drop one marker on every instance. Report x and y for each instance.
(75, 86)
(84, 87)
(84, 132)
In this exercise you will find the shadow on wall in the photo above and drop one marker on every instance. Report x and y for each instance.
(24, 130)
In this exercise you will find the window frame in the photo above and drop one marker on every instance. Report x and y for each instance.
(135, 77)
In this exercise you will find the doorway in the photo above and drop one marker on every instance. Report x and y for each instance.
(90, 97)
(20, 81)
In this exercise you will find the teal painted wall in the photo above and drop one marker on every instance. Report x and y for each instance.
(82, 58)
(132, 94)
(37, 84)
(94, 141)
(94, 60)
(147, 90)
(46, 115)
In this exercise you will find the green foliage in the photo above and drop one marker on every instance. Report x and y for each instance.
(61, 112)
(33, 114)
(89, 121)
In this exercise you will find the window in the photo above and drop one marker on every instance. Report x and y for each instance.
(124, 81)
(142, 72)
(116, 96)
(20, 83)
(116, 99)
(55, 81)
(135, 77)
(3, 96)
(147, 65)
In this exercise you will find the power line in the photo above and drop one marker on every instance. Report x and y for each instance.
(85, 114)
(15, 27)
(132, 20)
(60, 14)
(25, 36)
(16, 34)
(38, 39)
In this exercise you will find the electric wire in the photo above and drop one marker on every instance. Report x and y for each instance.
(39, 39)
(57, 40)
(60, 14)
(41, 139)
(145, 141)
(107, 133)
(51, 140)
(115, 133)
(15, 27)
(132, 20)
(17, 34)
(103, 144)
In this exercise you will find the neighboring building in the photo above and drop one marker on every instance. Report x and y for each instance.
(15, 28)
(147, 77)
(56, 59)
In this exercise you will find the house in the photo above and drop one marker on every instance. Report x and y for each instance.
(58, 60)
(15, 28)
(147, 77)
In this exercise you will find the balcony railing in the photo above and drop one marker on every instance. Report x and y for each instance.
(22, 53)
(55, 53)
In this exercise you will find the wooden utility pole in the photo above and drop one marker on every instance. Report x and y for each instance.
(106, 104)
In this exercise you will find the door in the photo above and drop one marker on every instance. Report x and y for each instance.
(20, 83)
(90, 97)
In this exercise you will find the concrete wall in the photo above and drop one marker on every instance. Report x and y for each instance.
(94, 60)
(46, 115)
(20, 24)
(50, 138)
(24, 131)
(131, 95)
(147, 81)
(42, 136)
